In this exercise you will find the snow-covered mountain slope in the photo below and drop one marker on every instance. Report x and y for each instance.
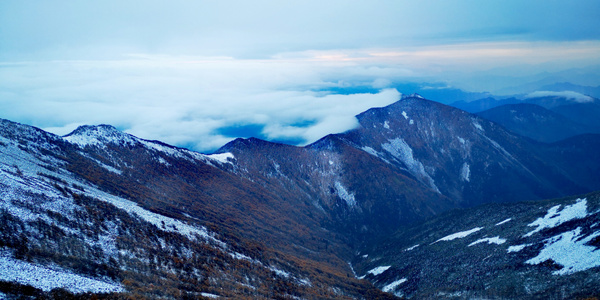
(61, 231)
(531, 250)
(92, 213)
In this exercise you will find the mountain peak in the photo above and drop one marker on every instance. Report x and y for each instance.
(413, 95)
(103, 134)
(90, 128)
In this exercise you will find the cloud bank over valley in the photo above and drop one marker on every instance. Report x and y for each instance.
(199, 74)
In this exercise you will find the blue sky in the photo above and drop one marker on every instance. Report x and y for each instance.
(190, 72)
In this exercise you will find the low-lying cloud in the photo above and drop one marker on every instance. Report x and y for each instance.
(204, 102)
(188, 101)
(571, 95)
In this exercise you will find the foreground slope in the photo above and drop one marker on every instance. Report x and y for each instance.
(530, 250)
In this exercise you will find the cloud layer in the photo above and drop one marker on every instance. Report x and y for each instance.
(198, 73)
(182, 101)
(204, 102)
(573, 96)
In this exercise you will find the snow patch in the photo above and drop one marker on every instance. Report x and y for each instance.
(305, 282)
(405, 115)
(411, 248)
(374, 153)
(569, 250)
(46, 279)
(370, 151)
(161, 148)
(109, 168)
(224, 158)
(209, 295)
(477, 125)
(517, 248)
(401, 150)
(502, 222)
(354, 272)
(465, 172)
(411, 122)
(459, 235)
(554, 218)
(240, 256)
(386, 125)
(163, 161)
(344, 194)
(378, 270)
(392, 286)
(495, 240)
(280, 272)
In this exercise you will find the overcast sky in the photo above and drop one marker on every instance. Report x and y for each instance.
(198, 73)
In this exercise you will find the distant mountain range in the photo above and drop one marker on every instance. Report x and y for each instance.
(484, 104)
(536, 122)
(549, 118)
(123, 216)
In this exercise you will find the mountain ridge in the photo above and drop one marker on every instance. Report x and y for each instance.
(405, 144)
(141, 178)
(535, 121)
(284, 221)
